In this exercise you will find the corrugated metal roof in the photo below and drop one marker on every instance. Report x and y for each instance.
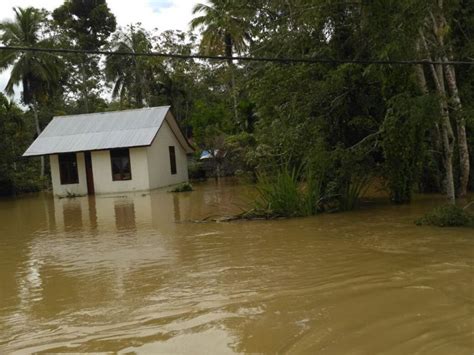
(97, 131)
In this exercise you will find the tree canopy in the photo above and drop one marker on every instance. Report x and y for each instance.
(407, 126)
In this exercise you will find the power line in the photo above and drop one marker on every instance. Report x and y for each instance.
(240, 58)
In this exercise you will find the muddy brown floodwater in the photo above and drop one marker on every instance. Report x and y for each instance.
(132, 274)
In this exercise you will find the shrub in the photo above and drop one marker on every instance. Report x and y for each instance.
(196, 171)
(287, 193)
(352, 191)
(446, 216)
(29, 181)
(404, 128)
(279, 195)
(185, 187)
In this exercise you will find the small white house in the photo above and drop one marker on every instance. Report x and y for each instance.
(112, 152)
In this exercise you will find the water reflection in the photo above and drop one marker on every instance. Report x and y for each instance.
(125, 215)
(128, 273)
(72, 215)
(121, 213)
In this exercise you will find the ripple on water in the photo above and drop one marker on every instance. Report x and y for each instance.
(119, 275)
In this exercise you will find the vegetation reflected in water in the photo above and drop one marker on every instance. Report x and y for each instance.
(132, 273)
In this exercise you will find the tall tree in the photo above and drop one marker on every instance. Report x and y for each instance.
(225, 30)
(38, 73)
(130, 75)
(88, 24)
(436, 44)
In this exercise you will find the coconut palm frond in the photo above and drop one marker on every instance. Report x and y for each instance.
(225, 27)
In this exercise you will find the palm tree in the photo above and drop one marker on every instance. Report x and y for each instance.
(130, 74)
(37, 72)
(224, 31)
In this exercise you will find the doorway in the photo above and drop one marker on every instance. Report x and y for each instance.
(89, 174)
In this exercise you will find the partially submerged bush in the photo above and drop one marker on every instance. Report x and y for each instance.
(284, 194)
(352, 191)
(196, 171)
(279, 194)
(185, 187)
(323, 184)
(447, 216)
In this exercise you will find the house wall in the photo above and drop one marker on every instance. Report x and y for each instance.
(63, 190)
(102, 171)
(159, 159)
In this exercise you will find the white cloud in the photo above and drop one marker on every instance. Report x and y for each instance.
(161, 14)
(164, 15)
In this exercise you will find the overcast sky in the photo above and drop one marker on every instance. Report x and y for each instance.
(161, 14)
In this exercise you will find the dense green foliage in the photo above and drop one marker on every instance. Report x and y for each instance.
(16, 175)
(447, 216)
(346, 123)
(405, 128)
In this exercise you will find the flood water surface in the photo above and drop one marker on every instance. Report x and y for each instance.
(134, 274)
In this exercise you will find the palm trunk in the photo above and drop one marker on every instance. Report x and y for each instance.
(84, 85)
(234, 95)
(38, 132)
(461, 130)
(139, 85)
(229, 52)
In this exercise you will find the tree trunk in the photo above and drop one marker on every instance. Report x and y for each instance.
(234, 95)
(446, 130)
(229, 43)
(84, 86)
(140, 85)
(448, 142)
(420, 74)
(447, 134)
(38, 131)
(435, 131)
(461, 130)
(440, 26)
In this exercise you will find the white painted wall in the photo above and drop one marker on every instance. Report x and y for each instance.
(159, 160)
(63, 190)
(102, 171)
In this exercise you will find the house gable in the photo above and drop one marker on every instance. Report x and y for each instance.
(176, 130)
(158, 154)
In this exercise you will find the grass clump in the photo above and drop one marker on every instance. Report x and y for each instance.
(278, 195)
(306, 191)
(286, 193)
(447, 216)
(185, 187)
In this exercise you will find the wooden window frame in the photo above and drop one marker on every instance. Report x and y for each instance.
(172, 155)
(121, 175)
(68, 175)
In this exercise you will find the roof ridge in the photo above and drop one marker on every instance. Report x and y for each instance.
(119, 111)
(115, 130)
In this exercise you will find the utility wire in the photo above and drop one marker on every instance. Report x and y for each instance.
(240, 58)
